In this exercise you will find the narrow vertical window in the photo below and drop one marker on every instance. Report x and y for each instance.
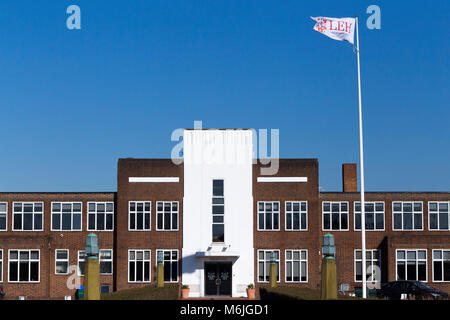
(218, 212)
(106, 261)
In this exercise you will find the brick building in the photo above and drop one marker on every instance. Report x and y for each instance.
(217, 224)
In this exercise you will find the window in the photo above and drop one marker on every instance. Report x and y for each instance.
(66, 216)
(296, 266)
(1, 265)
(27, 216)
(61, 261)
(264, 264)
(106, 264)
(438, 215)
(139, 215)
(167, 215)
(335, 216)
(412, 265)
(81, 260)
(373, 265)
(139, 266)
(296, 215)
(407, 215)
(104, 288)
(3, 216)
(374, 214)
(170, 265)
(23, 265)
(441, 265)
(268, 215)
(218, 212)
(100, 216)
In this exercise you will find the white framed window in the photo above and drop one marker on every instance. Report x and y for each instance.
(441, 265)
(167, 215)
(24, 266)
(139, 266)
(374, 214)
(218, 210)
(28, 216)
(407, 216)
(139, 215)
(106, 261)
(373, 263)
(100, 216)
(66, 216)
(438, 215)
(296, 215)
(61, 261)
(3, 216)
(296, 266)
(81, 262)
(1, 265)
(268, 215)
(264, 264)
(170, 260)
(335, 216)
(411, 264)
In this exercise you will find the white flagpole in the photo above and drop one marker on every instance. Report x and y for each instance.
(361, 166)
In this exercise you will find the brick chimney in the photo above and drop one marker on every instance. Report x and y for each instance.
(349, 177)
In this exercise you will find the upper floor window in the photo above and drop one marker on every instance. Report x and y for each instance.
(268, 215)
(66, 216)
(61, 261)
(335, 216)
(100, 216)
(28, 216)
(441, 265)
(438, 215)
(296, 215)
(407, 215)
(374, 214)
(3, 216)
(373, 265)
(167, 215)
(23, 265)
(218, 211)
(139, 215)
(412, 265)
(264, 260)
(296, 266)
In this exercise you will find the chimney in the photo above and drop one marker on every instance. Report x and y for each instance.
(349, 177)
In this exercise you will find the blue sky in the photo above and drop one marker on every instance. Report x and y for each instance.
(73, 102)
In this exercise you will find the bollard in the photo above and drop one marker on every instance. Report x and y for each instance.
(160, 270)
(92, 269)
(273, 270)
(328, 272)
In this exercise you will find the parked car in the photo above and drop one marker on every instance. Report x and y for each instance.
(415, 289)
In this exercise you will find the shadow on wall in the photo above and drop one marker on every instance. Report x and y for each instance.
(270, 295)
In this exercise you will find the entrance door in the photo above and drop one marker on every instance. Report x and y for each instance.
(218, 278)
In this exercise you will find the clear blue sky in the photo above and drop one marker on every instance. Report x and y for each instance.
(73, 102)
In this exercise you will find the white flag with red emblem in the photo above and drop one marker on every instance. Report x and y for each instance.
(342, 29)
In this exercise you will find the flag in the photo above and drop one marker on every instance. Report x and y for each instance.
(341, 29)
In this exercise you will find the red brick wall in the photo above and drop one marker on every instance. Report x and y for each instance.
(153, 192)
(51, 286)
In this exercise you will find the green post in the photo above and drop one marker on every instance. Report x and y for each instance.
(328, 272)
(273, 270)
(92, 269)
(160, 270)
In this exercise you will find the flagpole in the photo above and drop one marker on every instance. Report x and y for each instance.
(361, 167)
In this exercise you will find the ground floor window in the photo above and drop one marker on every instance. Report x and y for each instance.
(61, 261)
(373, 265)
(106, 263)
(296, 265)
(139, 266)
(170, 260)
(81, 260)
(441, 265)
(412, 265)
(23, 265)
(1, 265)
(264, 258)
